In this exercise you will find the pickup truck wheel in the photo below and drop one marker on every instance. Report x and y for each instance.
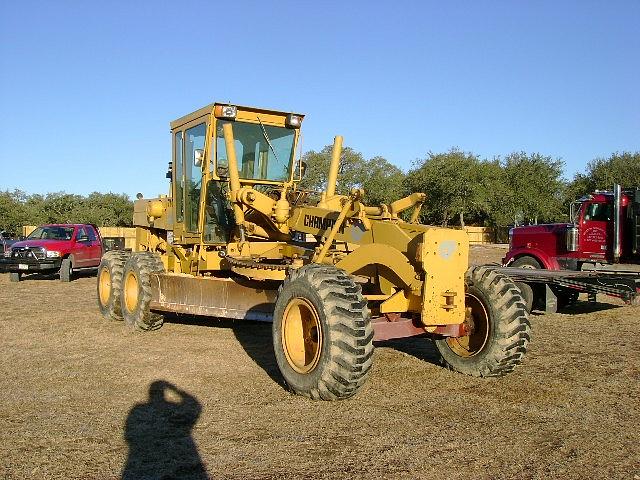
(530, 293)
(136, 291)
(500, 329)
(66, 269)
(15, 276)
(110, 274)
(322, 333)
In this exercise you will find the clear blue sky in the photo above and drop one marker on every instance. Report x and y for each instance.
(88, 88)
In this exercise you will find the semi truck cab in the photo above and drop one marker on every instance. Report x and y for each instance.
(604, 228)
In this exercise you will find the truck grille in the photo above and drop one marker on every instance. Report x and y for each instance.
(39, 253)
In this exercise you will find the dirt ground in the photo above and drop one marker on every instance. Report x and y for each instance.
(86, 398)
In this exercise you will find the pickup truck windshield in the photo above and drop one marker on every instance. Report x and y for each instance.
(264, 152)
(52, 233)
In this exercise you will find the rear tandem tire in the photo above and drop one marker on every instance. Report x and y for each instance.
(15, 276)
(109, 287)
(322, 333)
(501, 326)
(136, 291)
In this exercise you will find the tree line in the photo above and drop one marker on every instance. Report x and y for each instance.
(462, 189)
(102, 209)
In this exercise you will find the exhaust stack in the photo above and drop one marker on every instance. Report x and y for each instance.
(617, 204)
(335, 165)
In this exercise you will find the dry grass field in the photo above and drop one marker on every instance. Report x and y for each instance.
(83, 398)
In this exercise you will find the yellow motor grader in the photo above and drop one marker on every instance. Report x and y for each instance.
(237, 238)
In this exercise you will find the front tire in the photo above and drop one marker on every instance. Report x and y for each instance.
(66, 269)
(136, 291)
(109, 287)
(500, 327)
(322, 333)
(530, 293)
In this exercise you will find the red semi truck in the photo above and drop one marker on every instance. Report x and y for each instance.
(601, 245)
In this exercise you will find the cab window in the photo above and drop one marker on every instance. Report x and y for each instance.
(194, 140)
(179, 183)
(601, 212)
(264, 152)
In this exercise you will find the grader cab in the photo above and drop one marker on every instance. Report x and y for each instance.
(237, 238)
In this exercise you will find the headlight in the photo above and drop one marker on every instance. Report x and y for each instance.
(293, 121)
(228, 112)
(7, 254)
(52, 254)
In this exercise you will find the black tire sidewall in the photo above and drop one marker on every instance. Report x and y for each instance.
(526, 261)
(298, 381)
(469, 365)
(508, 327)
(113, 309)
(66, 269)
(131, 317)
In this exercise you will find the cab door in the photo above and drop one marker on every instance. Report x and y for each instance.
(189, 146)
(596, 229)
(95, 248)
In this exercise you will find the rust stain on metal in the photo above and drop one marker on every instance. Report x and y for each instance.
(218, 297)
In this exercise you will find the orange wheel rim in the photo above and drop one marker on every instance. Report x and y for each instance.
(474, 343)
(131, 292)
(301, 335)
(104, 286)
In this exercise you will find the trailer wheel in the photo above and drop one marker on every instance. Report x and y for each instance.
(66, 269)
(322, 333)
(500, 328)
(566, 296)
(136, 291)
(109, 285)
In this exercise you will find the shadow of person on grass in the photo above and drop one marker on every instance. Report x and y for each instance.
(159, 436)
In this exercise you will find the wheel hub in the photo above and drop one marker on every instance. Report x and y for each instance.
(105, 286)
(130, 292)
(477, 323)
(301, 335)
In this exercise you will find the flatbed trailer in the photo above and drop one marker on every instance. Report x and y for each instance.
(549, 283)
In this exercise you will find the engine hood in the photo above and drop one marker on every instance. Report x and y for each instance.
(59, 245)
(542, 229)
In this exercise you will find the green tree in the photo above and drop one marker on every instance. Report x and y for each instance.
(381, 181)
(529, 188)
(453, 182)
(603, 173)
(104, 209)
(12, 211)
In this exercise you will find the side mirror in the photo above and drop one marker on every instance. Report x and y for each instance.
(303, 169)
(198, 157)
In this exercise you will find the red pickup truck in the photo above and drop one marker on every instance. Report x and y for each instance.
(50, 248)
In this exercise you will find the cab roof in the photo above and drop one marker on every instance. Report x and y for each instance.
(201, 112)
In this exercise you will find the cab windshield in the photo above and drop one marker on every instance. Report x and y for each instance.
(574, 211)
(51, 233)
(264, 152)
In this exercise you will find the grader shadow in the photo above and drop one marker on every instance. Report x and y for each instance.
(420, 347)
(254, 338)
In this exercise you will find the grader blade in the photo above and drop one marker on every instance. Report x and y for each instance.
(212, 297)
